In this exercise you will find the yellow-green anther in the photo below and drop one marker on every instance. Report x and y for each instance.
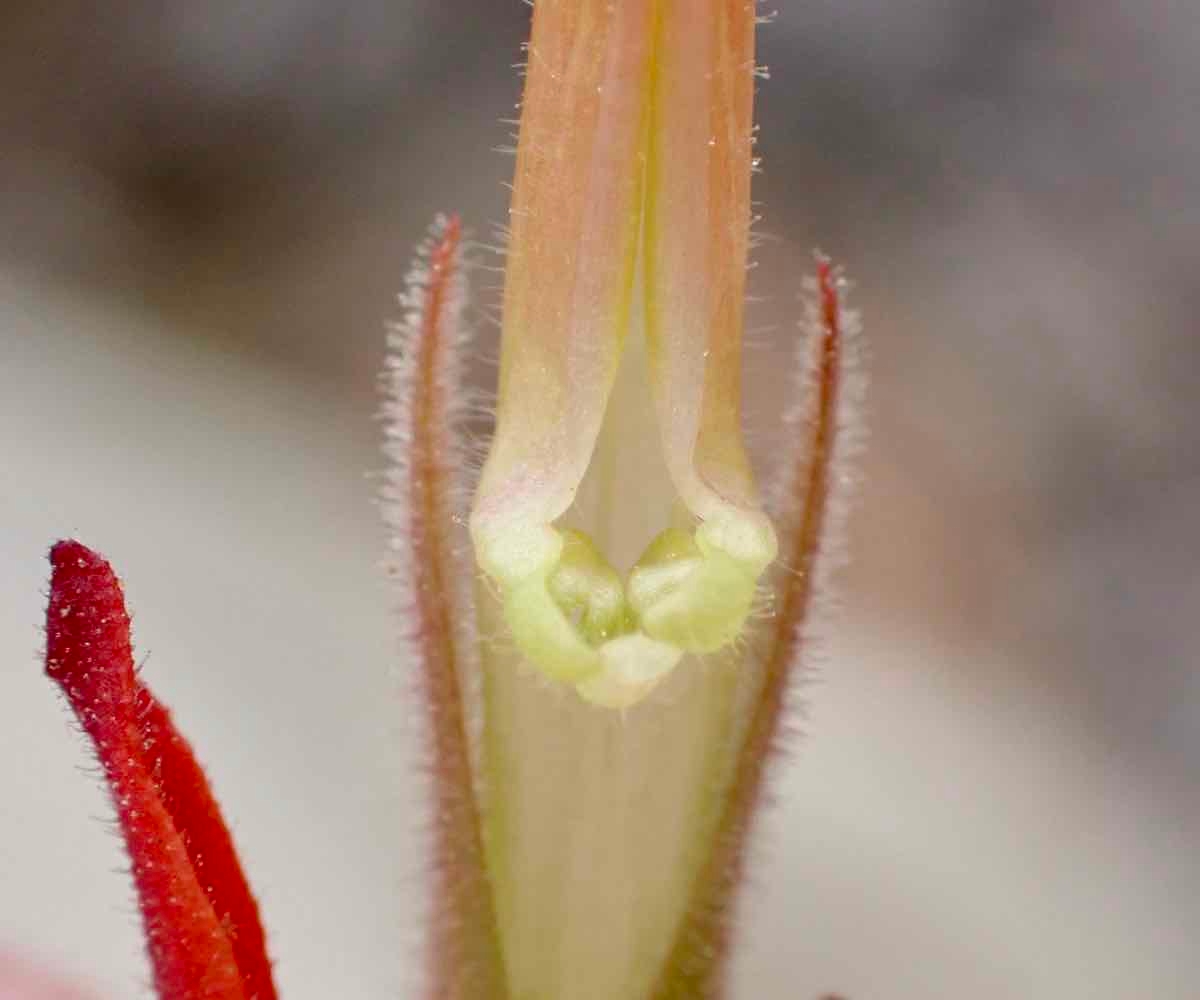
(589, 590)
(559, 615)
(687, 593)
(662, 568)
(544, 633)
(690, 594)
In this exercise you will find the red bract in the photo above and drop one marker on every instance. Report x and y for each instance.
(201, 921)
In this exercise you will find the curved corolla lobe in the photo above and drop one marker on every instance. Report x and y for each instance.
(697, 222)
(575, 221)
(696, 239)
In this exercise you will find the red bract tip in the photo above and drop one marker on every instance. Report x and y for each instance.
(202, 929)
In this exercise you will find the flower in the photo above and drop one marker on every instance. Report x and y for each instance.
(604, 627)
(630, 229)
(598, 736)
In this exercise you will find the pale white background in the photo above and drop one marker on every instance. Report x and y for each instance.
(996, 794)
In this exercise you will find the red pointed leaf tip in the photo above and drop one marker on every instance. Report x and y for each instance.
(202, 928)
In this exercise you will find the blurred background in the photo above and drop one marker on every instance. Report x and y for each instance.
(205, 213)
